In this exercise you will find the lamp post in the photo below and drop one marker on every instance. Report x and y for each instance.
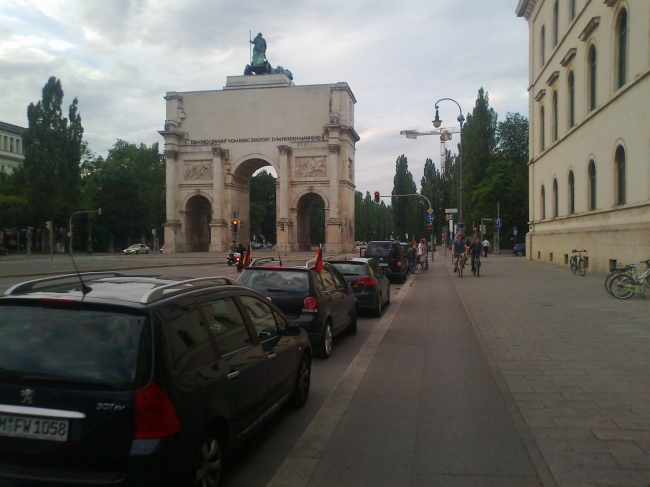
(461, 119)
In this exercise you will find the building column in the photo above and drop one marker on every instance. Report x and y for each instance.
(284, 237)
(172, 224)
(219, 238)
(333, 170)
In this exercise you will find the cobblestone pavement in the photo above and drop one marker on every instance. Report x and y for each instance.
(575, 362)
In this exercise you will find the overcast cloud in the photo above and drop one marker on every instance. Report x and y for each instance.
(120, 57)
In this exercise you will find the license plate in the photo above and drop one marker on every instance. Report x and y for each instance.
(33, 427)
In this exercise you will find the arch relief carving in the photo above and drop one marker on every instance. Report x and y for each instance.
(200, 170)
(311, 167)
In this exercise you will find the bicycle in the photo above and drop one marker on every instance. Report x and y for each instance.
(577, 262)
(619, 270)
(624, 286)
(477, 266)
(461, 265)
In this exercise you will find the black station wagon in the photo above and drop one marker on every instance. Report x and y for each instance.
(139, 380)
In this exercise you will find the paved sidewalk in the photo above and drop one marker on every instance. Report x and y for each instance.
(419, 406)
(574, 360)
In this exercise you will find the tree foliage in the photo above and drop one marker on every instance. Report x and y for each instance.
(262, 206)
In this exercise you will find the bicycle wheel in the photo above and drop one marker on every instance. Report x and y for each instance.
(478, 267)
(460, 269)
(616, 286)
(582, 268)
(609, 278)
(574, 265)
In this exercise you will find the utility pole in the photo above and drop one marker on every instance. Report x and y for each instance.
(498, 243)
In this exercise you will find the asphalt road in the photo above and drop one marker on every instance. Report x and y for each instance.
(257, 461)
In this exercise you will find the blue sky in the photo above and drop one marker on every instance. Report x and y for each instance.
(119, 57)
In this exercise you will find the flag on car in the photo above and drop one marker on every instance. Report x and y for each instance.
(318, 266)
(247, 257)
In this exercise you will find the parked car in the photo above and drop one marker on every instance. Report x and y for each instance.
(370, 283)
(137, 249)
(519, 249)
(4, 250)
(321, 303)
(388, 253)
(139, 380)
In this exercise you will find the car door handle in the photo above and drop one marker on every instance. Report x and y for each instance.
(272, 355)
(233, 375)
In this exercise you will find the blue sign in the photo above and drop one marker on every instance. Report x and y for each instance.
(499, 223)
(430, 217)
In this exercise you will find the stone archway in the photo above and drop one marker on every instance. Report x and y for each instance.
(198, 215)
(303, 217)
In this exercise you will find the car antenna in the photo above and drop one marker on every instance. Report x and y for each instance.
(84, 289)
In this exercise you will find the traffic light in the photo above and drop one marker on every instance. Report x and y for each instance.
(377, 197)
(430, 226)
(235, 225)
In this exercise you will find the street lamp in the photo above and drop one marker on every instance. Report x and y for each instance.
(436, 123)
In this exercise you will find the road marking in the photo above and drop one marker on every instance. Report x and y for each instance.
(302, 460)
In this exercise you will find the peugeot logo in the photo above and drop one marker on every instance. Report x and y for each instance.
(269, 298)
(27, 395)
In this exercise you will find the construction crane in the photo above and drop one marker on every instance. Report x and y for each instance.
(445, 136)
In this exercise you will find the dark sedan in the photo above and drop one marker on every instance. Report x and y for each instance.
(370, 283)
(519, 249)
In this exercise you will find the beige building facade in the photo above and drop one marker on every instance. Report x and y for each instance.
(589, 107)
(216, 140)
(12, 153)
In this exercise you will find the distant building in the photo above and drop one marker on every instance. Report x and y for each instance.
(11, 147)
(589, 96)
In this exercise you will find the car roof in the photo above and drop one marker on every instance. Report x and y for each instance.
(353, 260)
(115, 287)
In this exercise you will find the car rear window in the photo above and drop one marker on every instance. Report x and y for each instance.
(269, 280)
(71, 346)
(350, 269)
(380, 249)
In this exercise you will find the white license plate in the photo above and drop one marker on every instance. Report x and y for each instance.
(33, 427)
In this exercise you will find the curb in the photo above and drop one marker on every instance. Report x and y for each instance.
(302, 460)
(543, 471)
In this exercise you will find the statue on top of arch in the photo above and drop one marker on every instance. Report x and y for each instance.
(259, 63)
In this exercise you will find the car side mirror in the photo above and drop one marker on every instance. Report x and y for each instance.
(386, 271)
(292, 330)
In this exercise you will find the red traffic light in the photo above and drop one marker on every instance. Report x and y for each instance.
(376, 196)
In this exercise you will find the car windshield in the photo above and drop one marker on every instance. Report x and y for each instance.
(350, 268)
(264, 280)
(135, 246)
(73, 346)
(380, 249)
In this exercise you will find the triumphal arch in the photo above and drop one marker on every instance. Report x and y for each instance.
(216, 140)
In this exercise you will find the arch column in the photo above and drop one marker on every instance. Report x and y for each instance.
(219, 226)
(284, 238)
(173, 224)
(333, 223)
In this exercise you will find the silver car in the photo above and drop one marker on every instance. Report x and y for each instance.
(137, 249)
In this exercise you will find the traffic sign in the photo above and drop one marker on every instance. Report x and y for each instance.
(430, 218)
(451, 210)
(499, 223)
(447, 217)
(430, 210)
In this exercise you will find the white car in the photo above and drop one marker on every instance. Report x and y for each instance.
(137, 249)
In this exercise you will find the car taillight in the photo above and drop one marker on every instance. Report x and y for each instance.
(310, 305)
(154, 414)
(399, 264)
(367, 281)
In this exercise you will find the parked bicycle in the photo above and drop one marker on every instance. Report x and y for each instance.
(624, 286)
(577, 262)
(619, 270)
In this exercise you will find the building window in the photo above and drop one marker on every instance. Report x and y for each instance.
(592, 77)
(572, 193)
(555, 199)
(541, 129)
(556, 16)
(555, 131)
(572, 9)
(11, 144)
(620, 175)
(18, 146)
(572, 99)
(621, 52)
(542, 45)
(592, 185)
(543, 203)
(4, 142)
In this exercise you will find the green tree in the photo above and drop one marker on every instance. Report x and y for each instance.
(53, 148)
(262, 193)
(317, 222)
(405, 209)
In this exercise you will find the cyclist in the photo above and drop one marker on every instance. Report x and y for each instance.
(460, 251)
(475, 250)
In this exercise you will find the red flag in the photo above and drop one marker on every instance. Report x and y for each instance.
(247, 258)
(318, 266)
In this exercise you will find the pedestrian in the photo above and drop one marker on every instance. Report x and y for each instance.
(486, 246)
(422, 248)
(426, 255)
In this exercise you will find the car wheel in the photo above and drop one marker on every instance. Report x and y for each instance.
(230, 262)
(209, 461)
(352, 327)
(520, 253)
(377, 310)
(301, 386)
(388, 294)
(147, 252)
(137, 252)
(324, 350)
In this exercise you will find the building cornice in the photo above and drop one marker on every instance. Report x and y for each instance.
(553, 78)
(590, 27)
(540, 95)
(568, 57)
(525, 8)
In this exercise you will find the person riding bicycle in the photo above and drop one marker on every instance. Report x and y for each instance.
(475, 250)
(459, 249)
